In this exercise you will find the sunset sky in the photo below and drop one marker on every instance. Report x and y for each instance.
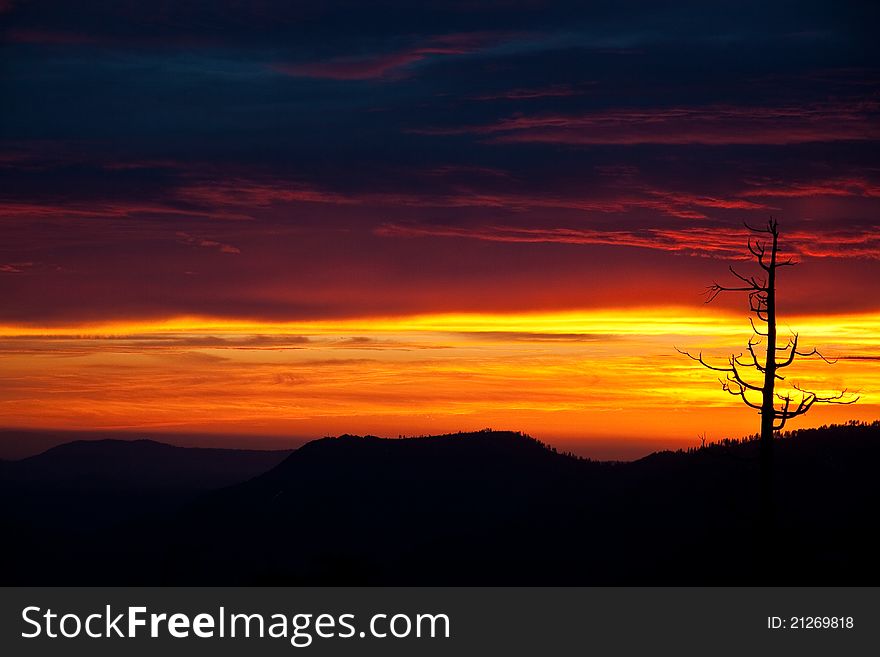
(293, 220)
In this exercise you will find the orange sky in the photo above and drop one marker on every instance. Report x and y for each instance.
(606, 383)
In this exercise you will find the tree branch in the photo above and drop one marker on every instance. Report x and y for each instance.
(712, 291)
(839, 398)
(738, 392)
(755, 329)
(784, 418)
(750, 280)
(738, 379)
(699, 359)
(788, 361)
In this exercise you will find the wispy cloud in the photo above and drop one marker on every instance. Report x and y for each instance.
(384, 64)
(709, 125)
(706, 241)
(852, 186)
(246, 193)
(550, 91)
(222, 247)
(681, 205)
(15, 267)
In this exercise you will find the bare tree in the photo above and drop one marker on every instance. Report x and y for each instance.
(753, 377)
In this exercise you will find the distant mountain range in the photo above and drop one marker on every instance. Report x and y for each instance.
(474, 508)
(138, 465)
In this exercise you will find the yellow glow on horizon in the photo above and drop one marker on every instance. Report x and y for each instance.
(647, 320)
(574, 375)
(559, 322)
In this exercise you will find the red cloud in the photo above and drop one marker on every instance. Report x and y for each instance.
(15, 267)
(352, 68)
(254, 193)
(380, 65)
(229, 199)
(673, 204)
(553, 91)
(708, 241)
(121, 209)
(711, 125)
(186, 238)
(832, 187)
(239, 198)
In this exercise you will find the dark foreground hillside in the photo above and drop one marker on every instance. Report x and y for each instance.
(62, 510)
(489, 508)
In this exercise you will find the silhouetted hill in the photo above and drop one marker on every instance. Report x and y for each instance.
(359, 509)
(17, 444)
(57, 504)
(502, 508)
(137, 464)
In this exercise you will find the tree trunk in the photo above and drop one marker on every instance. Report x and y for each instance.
(768, 510)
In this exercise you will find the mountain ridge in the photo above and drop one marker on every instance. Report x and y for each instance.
(494, 508)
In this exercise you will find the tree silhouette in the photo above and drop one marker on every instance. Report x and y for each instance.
(760, 393)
